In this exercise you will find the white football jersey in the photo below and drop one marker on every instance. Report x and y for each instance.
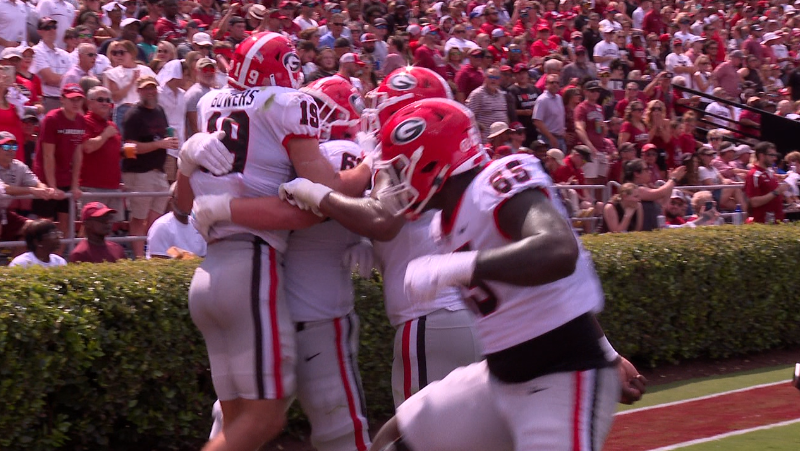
(258, 122)
(393, 256)
(508, 314)
(318, 285)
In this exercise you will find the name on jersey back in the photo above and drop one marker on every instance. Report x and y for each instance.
(229, 99)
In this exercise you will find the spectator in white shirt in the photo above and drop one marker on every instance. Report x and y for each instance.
(173, 230)
(62, 11)
(101, 63)
(50, 63)
(638, 13)
(685, 34)
(306, 17)
(87, 55)
(720, 109)
(680, 64)
(606, 50)
(42, 239)
(172, 99)
(13, 23)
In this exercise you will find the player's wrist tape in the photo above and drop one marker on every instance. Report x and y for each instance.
(456, 268)
(608, 350)
(185, 167)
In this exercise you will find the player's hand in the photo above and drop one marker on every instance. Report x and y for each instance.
(370, 148)
(359, 258)
(425, 276)
(304, 194)
(206, 150)
(210, 209)
(633, 383)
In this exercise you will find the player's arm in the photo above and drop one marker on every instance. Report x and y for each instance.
(309, 164)
(365, 216)
(544, 248)
(270, 213)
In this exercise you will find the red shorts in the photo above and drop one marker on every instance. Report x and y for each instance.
(12, 230)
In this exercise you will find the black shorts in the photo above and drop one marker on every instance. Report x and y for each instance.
(50, 208)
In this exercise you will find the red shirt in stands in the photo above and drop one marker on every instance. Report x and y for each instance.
(759, 182)
(31, 88)
(653, 23)
(751, 131)
(564, 173)
(488, 27)
(468, 79)
(498, 54)
(638, 56)
(89, 253)
(430, 59)
(639, 137)
(10, 122)
(101, 168)
(166, 29)
(543, 48)
(66, 135)
(204, 18)
(592, 116)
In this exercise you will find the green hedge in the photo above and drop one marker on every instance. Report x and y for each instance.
(106, 356)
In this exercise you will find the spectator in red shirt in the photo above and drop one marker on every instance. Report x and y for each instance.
(427, 55)
(636, 51)
(205, 14)
(498, 46)
(97, 224)
(762, 187)
(170, 27)
(491, 20)
(633, 129)
(752, 45)
(470, 76)
(750, 121)
(627, 152)
(589, 118)
(571, 173)
(654, 21)
(631, 94)
(543, 46)
(59, 155)
(101, 171)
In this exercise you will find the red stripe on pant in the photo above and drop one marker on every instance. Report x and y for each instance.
(576, 422)
(407, 359)
(277, 361)
(359, 428)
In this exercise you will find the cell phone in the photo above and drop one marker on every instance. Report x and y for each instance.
(709, 205)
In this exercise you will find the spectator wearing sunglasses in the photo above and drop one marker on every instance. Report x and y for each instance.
(336, 28)
(470, 76)
(427, 55)
(489, 103)
(61, 12)
(50, 63)
(100, 170)
(101, 62)
(13, 29)
(87, 57)
(204, 82)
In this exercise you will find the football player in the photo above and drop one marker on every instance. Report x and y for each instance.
(260, 129)
(550, 379)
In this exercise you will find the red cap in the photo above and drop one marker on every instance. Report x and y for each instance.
(784, 91)
(677, 42)
(505, 68)
(665, 38)
(542, 27)
(519, 67)
(286, 4)
(559, 25)
(6, 137)
(648, 146)
(275, 15)
(351, 58)
(516, 126)
(72, 90)
(95, 210)
(503, 151)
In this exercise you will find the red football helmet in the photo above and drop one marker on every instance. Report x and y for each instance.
(265, 59)
(423, 145)
(400, 88)
(340, 107)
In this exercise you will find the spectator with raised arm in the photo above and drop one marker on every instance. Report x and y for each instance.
(635, 171)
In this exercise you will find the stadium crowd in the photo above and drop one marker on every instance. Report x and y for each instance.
(98, 96)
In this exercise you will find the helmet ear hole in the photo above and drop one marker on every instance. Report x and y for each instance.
(429, 167)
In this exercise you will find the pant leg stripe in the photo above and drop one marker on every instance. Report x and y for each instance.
(277, 359)
(352, 358)
(407, 359)
(359, 427)
(592, 438)
(576, 416)
(422, 365)
(255, 307)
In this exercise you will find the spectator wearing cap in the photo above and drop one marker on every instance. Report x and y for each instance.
(50, 63)
(680, 64)
(145, 126)
(62, 12)
(637, 53)
(100, 169)
(13, 23)
(306, 17)
(172, 99)
(549, 115)
(121, 80)
(87, 57)
(552, 160)
(491, 20)
(459, 40)
(59, 155)
(724, 163)
(707, 174)
(571, 173)
(202, 42)
(676, 208)
(609, 20)
(606, 50)
(98, 221)
(174, 230)
(499, 135)
(254, 19)
(726, 75)
(427, 54)
(351, 68)
(336, 28)
(29, 84)
(342, 46)
(489, 103)
(204, 82)
(517, 137)
(654, 21)
(763, 187)
(752, 45)
(471, 75)
(205, 14)
(684, 34)
(542, 46)
(635, 171)
(524, 95)
(398, 20)
(650, 157)
(743, 154)
(18, 180)
(237, 31)
(581, 68)
(498, 46)
(589, 118)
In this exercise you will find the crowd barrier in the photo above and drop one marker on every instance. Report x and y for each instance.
(70, 240)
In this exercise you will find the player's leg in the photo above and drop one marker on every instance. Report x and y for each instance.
(236, 302)
(428, 348)
(329, 384)
(560, 411)
(456, 413)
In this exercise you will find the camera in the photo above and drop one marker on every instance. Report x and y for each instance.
(709, 205)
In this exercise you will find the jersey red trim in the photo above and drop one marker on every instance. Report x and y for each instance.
(576, 420)
(357, 425)
(292, 136)
(406, 354)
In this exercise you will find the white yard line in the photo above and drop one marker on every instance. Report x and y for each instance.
(725, 435)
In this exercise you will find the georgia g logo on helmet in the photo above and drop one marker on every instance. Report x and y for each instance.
(408, 130)
(402, 81)
(292, 62)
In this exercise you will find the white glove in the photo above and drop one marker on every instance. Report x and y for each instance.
(209, 209)
(206, 150)
(304, 194)
(370, 147)
(425, 276)
(359, 258)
